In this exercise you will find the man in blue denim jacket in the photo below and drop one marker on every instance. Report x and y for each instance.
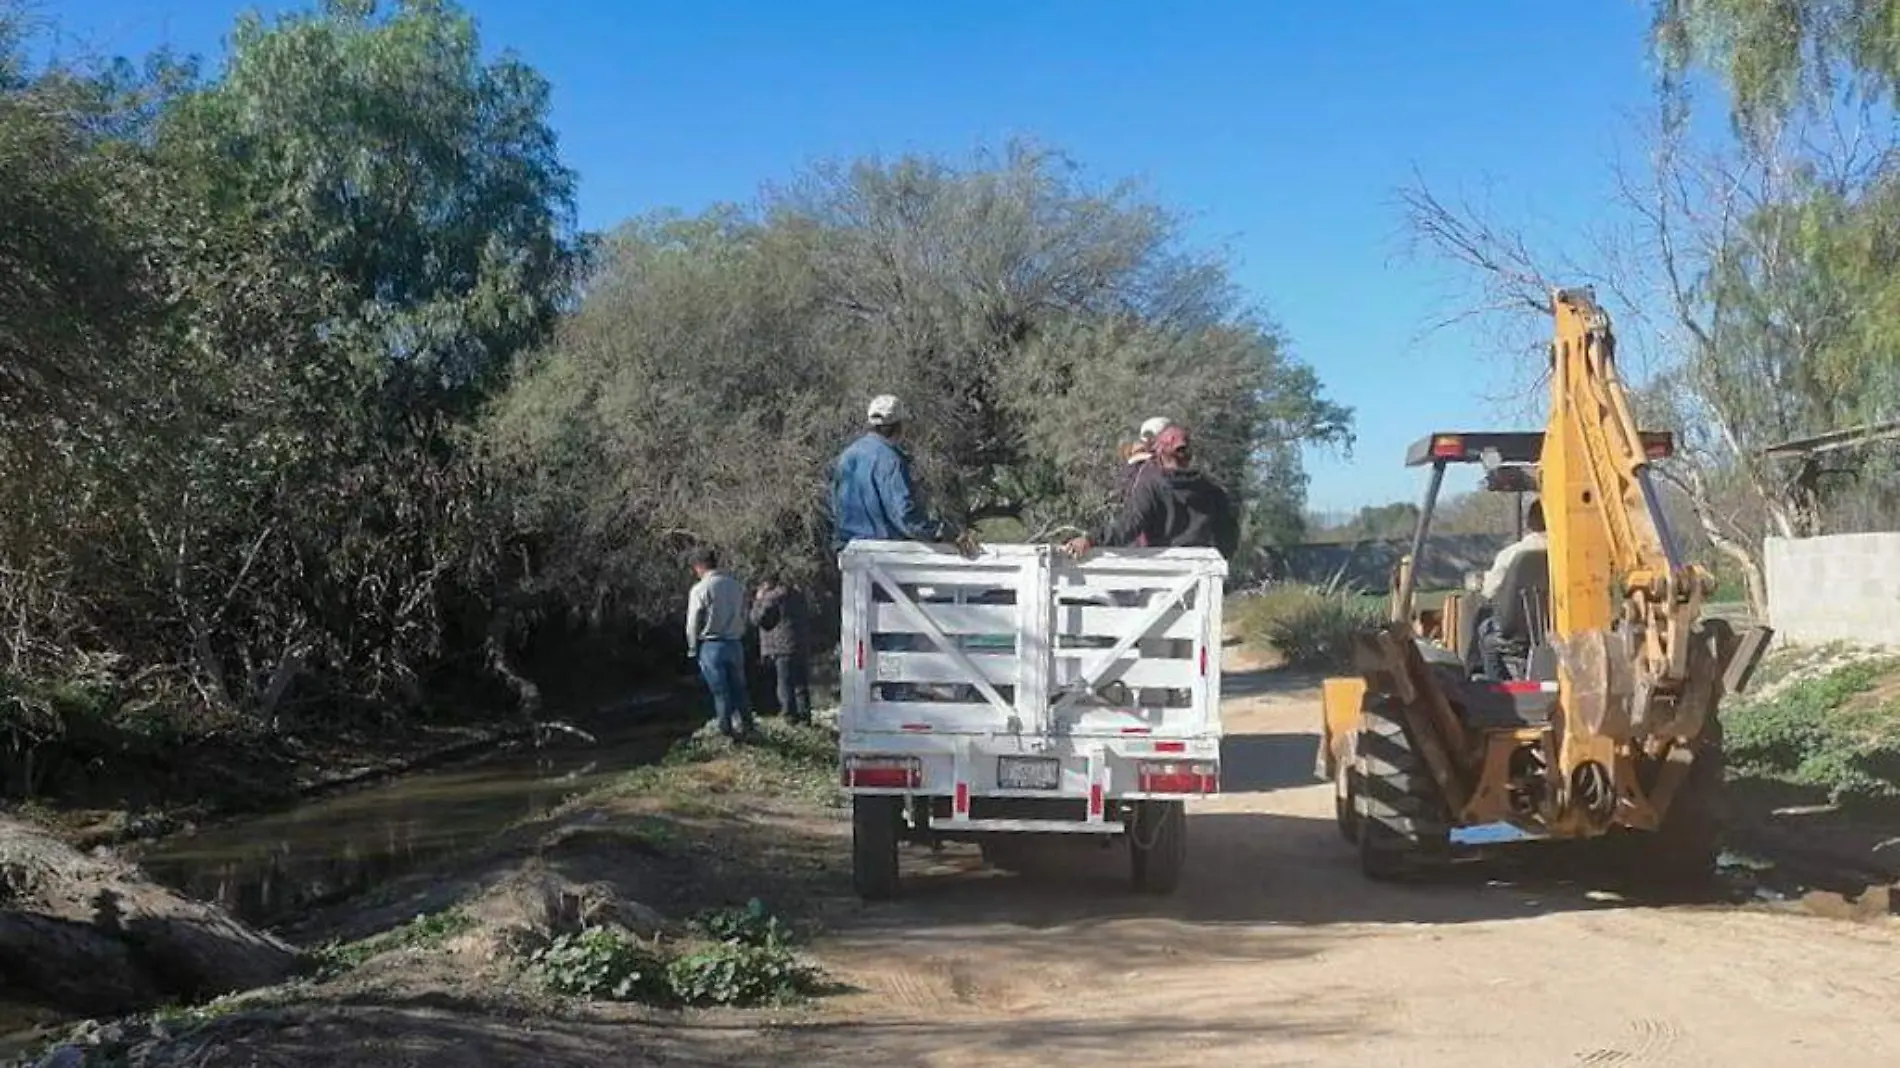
(873, 496)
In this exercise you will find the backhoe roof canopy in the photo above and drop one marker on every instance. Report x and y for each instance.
(1513, 446)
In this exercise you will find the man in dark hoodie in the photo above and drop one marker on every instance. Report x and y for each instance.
(1171, 504)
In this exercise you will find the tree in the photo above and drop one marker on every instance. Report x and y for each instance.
(70, 284)
(338, 245)
(718, 363)
(376, 142)
(1777, 58)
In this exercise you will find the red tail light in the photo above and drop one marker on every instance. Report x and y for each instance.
(962, 798)
(860, 656)
(883, 773)
(1170, 747)
(1095, 799)
(1178, 777)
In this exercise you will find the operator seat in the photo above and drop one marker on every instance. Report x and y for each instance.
(1522, 610)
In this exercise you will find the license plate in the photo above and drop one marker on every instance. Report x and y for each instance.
(1028, 773)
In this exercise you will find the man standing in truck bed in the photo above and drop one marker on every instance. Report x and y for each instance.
(1171, 504)
(873, 496)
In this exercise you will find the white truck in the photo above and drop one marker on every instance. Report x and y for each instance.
(1022, 692)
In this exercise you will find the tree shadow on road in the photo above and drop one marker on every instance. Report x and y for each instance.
(1267, 682)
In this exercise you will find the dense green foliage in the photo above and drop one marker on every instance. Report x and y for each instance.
(1774, 57)
(1030, 322)
(1834, 731)
(248, 497)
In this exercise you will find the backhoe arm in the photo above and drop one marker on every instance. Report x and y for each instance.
(1624, 601)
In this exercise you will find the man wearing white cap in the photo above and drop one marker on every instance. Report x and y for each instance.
(1143, 451)
(873, 495)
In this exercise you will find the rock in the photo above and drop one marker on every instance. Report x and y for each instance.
(66, 1056)
(94, 933)
(535, 904)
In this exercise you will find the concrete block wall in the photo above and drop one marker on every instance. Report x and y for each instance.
(1843, 587)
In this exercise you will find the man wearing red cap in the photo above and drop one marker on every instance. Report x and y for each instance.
(1172, 505)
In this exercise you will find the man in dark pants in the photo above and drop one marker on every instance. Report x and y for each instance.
(778, 610)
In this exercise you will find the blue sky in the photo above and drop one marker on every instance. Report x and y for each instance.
(1280, 129)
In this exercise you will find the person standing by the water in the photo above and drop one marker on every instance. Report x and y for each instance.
(778, 610)
(715, 637)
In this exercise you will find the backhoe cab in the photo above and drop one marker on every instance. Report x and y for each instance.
(1601, 722)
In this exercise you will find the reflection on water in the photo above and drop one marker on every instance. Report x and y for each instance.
(266, 867)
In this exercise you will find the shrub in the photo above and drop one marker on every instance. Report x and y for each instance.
(602, 963)
(1825, 731)
(727, 973)
(738, 957)
(1308, 626)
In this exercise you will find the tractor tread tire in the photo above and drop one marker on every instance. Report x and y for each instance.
(1404, 829)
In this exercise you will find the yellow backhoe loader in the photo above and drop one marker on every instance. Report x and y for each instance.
(1595, 716)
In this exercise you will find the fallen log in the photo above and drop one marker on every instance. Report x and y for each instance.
(94, 933)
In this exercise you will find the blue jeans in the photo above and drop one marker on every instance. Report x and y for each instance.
(722, 665)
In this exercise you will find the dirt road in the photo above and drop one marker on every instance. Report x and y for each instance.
(1276, 952)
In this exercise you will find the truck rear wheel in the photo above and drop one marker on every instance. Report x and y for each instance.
(1157, 845)
(1403, 827)
(874, 846)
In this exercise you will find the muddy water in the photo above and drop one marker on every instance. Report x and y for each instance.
(267, 868)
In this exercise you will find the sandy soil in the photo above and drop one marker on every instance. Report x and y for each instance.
(1275, 951)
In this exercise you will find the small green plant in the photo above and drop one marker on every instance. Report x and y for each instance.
(728, 973)
(737, 957)
(603, 963)
(427, 929)
(752, 925)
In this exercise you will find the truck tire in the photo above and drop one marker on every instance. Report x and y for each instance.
(874, 846)
(1157, 845)
(1403, 828)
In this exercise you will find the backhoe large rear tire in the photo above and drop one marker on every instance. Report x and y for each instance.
(1680, 858)
(1403, 826)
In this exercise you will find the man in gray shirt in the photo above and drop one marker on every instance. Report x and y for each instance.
(715, 637)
